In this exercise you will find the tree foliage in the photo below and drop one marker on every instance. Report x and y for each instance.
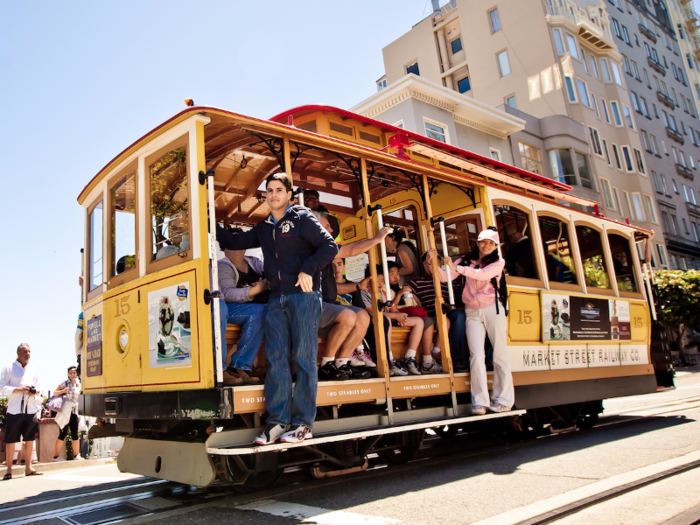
(679, 292)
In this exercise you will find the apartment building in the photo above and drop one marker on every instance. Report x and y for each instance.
(564, 58)
(685, 20)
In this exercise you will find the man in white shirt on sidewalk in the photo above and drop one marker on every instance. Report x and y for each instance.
(20, 383)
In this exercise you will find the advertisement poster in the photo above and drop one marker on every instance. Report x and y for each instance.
(590, 319)
(93, 356)
(556, 317)
(169, 336)
(355, 267)
(620, 328)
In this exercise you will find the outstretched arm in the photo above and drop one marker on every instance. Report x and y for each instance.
(242, 241)
(356, 248)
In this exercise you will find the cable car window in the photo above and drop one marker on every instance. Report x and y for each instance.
(461, 235)
(169, 204)
(557, 250)
(123, 215)
(591, 248)
(96, 232)
(516, 245)
(623, 264)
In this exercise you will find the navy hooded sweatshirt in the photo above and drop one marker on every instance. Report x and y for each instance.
(297, 243)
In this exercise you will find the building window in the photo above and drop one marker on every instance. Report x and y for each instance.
(413, 68)
(594, 64)
(456, 45)
(573, 45)
(685, 193)
(638, 210)
(645, 141)
(570, 89)
(654, 144)
(662, 253)
(628, 116)
(616, 153)
(618, 202)
(626, 35)
(616, 113)
(604, 103)
(511, 101)
(563, 166)
(627, 157)
(607, 153)
(495, 154)
(594, 102)
(584, 172)
(559, 43)
(665, 184)
(595, 141)
(644, 107)
(695, 233)
(607, 193)
(616, 73)
(606, 70)
(464, 85)
(399, 124)
(503, 63)
(685, 226)
(495, 21)
(657, 182)
(583, 92)
(530, 158)
(616, 27)
(435, 131)
(651, 210)
(381, 84)
(640, 161)
(584, 60)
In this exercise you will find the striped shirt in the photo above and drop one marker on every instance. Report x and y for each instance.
(424, 290)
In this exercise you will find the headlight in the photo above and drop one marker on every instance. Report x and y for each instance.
(123, 339)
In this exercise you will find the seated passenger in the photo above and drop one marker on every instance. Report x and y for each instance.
(343, 327)
(178, 237)
(312, 201)
(125, 263)
(406, 256)
(519, 261)
(244, 293)
(399, 319)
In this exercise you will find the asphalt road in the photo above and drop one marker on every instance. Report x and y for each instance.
(502, 485)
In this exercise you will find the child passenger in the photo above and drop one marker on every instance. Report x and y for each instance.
(484, 316)
(399, 319)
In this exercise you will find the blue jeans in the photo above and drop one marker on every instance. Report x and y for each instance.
(292, 321)
(457, 336)
(250, 317)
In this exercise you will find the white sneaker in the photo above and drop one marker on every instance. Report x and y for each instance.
(499, 408)
(395, 369)
(78, 458)
(59, 459)
(297, 434)
(270, 435)
(478, 410)
(354, 361)
(433, 368)
(367, 360)
(410, 364)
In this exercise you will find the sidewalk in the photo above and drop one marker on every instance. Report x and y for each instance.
(686, 370)
(18, 470)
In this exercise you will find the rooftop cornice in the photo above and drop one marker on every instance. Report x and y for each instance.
(465, 110)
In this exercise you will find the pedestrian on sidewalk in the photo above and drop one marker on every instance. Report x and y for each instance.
(67, 419)
(19, 381)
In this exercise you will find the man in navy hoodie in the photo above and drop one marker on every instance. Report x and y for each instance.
(295, 248)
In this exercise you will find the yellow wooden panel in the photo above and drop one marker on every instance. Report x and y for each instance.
(640, 322)
(525, 317)
(418, 387)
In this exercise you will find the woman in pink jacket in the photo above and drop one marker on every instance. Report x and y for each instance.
(484, 316)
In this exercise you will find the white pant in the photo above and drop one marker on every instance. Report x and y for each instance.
(479, 323)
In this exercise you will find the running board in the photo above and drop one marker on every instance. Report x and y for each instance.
(223, 450)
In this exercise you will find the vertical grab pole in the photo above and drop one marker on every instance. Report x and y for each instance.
(382, 249)
(215, 279)
(445, 253)
(650, 295)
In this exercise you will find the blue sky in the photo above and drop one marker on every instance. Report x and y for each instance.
(80, 81)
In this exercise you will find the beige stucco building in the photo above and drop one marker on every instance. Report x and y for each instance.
(592, 63)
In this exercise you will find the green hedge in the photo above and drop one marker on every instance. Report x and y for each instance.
(3, 410)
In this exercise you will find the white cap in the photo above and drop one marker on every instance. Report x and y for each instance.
(490, 235)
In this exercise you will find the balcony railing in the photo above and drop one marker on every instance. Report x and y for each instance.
(665, 99)
(674, 135)
(587, 30)
(647, 33)
(690, 15)
(661, 70)
(684, 171)
(679, 239)
(693, 209)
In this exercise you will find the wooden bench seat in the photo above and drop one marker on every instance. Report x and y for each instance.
(399, 340)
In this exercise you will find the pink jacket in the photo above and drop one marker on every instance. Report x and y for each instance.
(478, 292)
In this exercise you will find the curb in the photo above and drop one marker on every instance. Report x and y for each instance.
(63, 465)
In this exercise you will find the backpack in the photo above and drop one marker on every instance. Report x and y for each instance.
(501, 292)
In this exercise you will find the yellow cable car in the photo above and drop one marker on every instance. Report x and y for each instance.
(579, 328)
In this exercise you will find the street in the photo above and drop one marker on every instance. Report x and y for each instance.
(641, 454)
